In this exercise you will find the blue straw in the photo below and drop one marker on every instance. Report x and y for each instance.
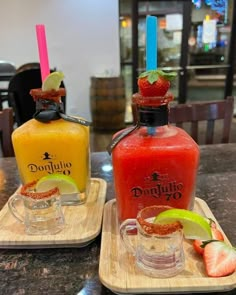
(151, 43)
(151, 50)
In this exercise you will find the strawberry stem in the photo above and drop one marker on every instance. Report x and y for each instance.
(153, 75)
(204, 243)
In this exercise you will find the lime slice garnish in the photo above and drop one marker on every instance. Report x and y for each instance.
(53, 81)
(65, 184)
(194, 225)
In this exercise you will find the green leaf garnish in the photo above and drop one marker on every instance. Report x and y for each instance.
(153, 75)
(167, 75)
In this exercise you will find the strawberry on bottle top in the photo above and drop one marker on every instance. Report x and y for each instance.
(155, 82)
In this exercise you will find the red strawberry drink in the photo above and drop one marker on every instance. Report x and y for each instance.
(156, 163)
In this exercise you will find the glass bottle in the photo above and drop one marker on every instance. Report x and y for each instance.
(53, 142)
(154, 163)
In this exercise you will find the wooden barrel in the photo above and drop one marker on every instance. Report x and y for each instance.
(107, 103)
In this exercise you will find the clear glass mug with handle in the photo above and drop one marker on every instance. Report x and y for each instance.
(42, 214)
(158, 248)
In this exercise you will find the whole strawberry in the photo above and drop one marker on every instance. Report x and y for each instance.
(155, 82)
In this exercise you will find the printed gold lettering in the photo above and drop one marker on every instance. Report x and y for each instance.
(51, 167)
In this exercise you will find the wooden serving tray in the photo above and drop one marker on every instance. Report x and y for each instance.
(117, 270)
(83, 224)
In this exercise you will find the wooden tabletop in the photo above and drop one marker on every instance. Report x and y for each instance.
(75, 270)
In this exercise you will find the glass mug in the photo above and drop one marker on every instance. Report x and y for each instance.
(158, 249)
(42, 211)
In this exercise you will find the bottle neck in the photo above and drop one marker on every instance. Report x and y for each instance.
(48, 110)
(153, 116)
(49, 106)
(151, 111)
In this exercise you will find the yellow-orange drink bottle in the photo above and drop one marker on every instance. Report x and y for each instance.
(53, 142)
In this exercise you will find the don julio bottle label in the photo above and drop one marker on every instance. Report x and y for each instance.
(50, 165)
(158, 186)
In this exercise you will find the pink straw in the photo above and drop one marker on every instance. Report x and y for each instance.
(43, 52)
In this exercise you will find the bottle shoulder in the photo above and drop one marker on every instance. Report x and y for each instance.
(157, 137)
(58, 126)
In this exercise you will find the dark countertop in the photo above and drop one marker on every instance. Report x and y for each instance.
(75, 270)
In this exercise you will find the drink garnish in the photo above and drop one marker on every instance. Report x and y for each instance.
(48, 101)
(155, 82)
(198, 245)
(219, 259)
(53, 81)
(194, 225)
(65, 183)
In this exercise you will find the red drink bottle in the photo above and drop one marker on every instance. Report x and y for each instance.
(154, 162)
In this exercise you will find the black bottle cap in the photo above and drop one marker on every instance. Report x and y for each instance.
(153, 116)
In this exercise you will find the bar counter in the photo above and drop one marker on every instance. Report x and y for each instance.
(75, 270)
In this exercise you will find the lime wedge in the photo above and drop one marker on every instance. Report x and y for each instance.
(195, 226)
(65, 184)
(53, 81)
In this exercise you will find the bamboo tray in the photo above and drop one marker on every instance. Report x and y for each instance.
(117, 270)
(83, 224)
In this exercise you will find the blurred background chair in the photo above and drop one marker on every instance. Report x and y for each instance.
(7, 70)
(6, 129)
(28, 66)
(19, 98)
(205, 111)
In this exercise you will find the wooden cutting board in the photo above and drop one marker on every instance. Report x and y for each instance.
(118, 272)
(83, 224)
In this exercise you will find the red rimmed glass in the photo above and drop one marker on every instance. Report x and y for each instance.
(158, 248)
(42, 213)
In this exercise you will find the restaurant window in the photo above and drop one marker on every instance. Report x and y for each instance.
(200, 51)
(209, 60)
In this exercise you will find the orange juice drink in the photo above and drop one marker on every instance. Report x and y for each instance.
(53, 145)
(63, 150)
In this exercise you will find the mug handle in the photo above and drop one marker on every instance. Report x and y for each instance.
(12, 208)
(129, 225)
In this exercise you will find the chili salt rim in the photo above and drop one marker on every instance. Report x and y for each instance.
(37, 196)
(52, 94)
(160, 229)
(157, 228)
